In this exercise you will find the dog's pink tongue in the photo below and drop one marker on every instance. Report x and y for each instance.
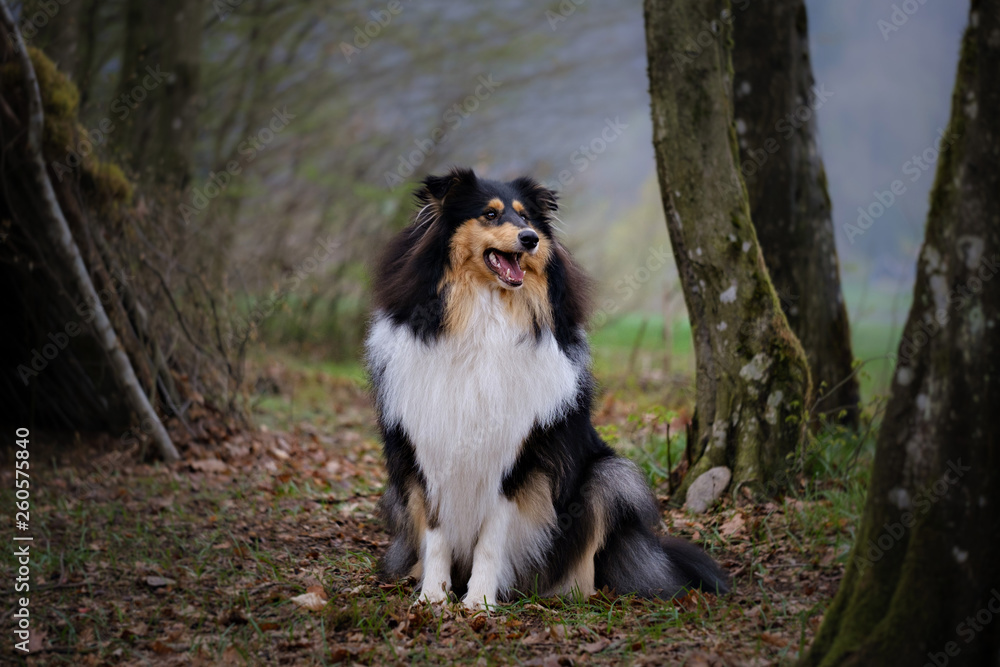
(510, 268)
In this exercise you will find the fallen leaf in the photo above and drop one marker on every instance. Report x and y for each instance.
(773, 640)
(697, 659)
(232, 656)
(160, 647)
(597, 646)
(135, 630)
(310, 601)
(36, 640)
(733, 525)
(535, 638)
(318, 590)
(209, 465)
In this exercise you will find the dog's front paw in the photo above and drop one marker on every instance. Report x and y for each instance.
(476, 601)
(434, 594)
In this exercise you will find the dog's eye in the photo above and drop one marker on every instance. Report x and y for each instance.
(523, 217)
(491, 215)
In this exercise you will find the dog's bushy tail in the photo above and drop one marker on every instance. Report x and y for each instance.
(634, 558)
(694, 567)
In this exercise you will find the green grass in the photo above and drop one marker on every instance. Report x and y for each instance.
(614, 344)
(618, 356)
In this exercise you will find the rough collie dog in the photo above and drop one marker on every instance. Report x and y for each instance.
(498, 483)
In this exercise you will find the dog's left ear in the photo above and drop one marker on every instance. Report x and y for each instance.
(539, 197)
(436, 188)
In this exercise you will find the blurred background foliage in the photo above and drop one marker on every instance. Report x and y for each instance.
(374, 96)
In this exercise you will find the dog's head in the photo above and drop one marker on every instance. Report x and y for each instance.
(499, 232)
(469, 235)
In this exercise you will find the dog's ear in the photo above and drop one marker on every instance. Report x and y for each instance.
(539, 197)
(436, 188)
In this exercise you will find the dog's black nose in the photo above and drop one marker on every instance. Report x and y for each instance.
(528, 239)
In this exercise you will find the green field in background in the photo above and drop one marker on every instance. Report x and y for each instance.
(612, 348)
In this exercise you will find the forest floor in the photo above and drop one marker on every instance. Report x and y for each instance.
(260, 548)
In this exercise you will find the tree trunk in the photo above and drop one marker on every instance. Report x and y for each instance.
(923, 581)
(58, 36)
(87, 42)
(159, 83)
(776, 106)
(752, 379)
(65, 248)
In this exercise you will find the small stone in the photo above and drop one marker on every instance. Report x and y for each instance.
(159, 582)
(705, 490)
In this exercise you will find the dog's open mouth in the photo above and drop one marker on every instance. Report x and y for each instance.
(507, 266)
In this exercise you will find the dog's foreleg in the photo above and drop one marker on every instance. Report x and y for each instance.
(490, 558)
(437, 566)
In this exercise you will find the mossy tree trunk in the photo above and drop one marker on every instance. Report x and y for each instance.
(752, 380)
(922, 583)
(776, 105)
(159, 86)
(33, 182)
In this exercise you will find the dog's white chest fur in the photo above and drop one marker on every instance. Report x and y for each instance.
(467, 402)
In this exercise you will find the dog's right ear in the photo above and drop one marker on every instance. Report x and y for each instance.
(436, 188)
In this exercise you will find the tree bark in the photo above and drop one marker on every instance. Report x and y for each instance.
(58, 232)
(88, 21)
(776, 106)
(160, 80)
(752, 380)
(922, 583)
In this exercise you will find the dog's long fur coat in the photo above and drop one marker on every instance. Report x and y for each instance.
(498, 483)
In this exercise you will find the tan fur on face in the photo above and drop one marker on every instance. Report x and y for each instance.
(468, 274)
(518, 207)
(496, 205)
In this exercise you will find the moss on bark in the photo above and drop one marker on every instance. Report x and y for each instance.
(752, 379)
(926, 565)
(789, 203)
